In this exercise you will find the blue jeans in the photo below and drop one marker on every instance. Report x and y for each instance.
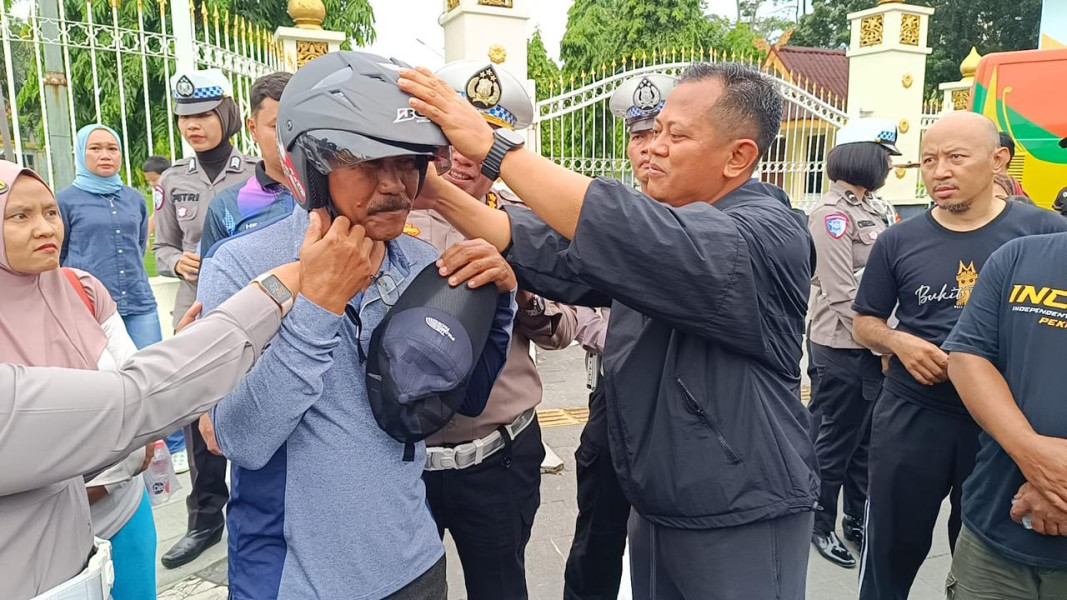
(144, 330)
(133, 550)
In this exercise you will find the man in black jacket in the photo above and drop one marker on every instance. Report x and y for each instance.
(708, 286)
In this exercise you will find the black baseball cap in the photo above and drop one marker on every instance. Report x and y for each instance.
(423, 353)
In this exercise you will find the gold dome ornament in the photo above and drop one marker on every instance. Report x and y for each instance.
(880, 2)
(970, 64)
(907, 80)
(307, 14)
(497, 54)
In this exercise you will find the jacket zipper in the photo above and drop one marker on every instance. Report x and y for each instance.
(695, 408)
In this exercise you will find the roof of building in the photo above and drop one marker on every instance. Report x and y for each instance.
(826, 68)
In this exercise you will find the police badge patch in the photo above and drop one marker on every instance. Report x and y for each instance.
(184, 88)
(157, 197)
(836, 225)
(647, 95)
(483, 89)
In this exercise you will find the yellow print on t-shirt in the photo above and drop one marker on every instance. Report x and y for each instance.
(966, 277)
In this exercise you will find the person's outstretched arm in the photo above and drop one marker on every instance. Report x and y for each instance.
(61, 423)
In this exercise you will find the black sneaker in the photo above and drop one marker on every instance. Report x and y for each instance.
(853, 529)
(833, 550)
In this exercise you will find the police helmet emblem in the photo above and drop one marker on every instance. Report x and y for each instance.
(483, 89)
(184, 88)
(3, 187)
(647, 95)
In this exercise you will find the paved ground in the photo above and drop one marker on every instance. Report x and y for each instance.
(564, 377)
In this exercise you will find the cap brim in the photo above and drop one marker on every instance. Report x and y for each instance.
(642, 125)
(892, 148)
(185, 109)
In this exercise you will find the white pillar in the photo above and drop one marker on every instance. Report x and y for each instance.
(301, 45)
(473, 26)
(886, 75)
(182, 26)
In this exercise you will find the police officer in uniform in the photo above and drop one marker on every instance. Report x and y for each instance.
(594, 565)
(207, 118)
(846, 377)
(487, 499)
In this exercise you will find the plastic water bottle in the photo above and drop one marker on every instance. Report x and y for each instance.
(160, 478)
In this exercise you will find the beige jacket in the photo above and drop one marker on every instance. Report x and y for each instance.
(58, 424)
(518, 388)
(844, 229)
(181, 200)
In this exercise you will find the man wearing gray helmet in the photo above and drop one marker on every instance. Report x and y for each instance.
(487, 501)
(594, 565)
(324, 503)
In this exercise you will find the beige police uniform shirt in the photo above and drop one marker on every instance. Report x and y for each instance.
(181, 200)
(59, 424)
(844, 229)
(518, 388)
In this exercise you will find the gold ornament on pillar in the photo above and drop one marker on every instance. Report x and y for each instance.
(907, 80)
(307, 14)
(871, 31)
(497, 54)
(904, 126)
(909, 29)
(970, 64)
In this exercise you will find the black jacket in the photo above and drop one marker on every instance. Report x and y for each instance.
(702, 357)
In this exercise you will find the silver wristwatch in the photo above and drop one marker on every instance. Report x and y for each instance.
(277, 291)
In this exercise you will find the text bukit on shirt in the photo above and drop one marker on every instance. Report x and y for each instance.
(1017, 320)
(107, 236)
(927, 272)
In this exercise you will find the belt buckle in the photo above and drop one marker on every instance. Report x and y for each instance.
(445, 458)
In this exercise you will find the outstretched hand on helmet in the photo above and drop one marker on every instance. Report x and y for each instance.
(463, 125)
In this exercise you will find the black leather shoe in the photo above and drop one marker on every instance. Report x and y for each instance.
(853, 529)
(833, 550)
(191, 546)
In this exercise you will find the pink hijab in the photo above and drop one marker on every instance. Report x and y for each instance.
(43, 320)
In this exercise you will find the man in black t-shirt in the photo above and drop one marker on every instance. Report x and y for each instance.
(1006, 362)
(923, 442)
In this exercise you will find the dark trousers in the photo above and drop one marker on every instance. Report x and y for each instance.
(844, 386)
(765, 559)
(918, 456)
(594, 565)
(489, 510)
(208, 474)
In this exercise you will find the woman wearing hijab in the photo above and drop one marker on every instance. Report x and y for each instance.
(55, 317)
(208, 118)
(106, 227)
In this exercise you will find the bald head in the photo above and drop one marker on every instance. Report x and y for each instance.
(960, 154)
(979, 129)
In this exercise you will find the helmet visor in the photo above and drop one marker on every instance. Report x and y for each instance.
(330, 149)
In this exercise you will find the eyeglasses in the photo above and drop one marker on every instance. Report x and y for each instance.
(389, 291)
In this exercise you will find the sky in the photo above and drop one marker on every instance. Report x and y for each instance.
(408, 29)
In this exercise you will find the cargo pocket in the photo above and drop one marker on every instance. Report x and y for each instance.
(694, 407)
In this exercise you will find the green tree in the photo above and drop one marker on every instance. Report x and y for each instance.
(956, 25)
(600, 31)
(540, 67)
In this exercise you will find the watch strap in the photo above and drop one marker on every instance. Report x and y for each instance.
(499, 149)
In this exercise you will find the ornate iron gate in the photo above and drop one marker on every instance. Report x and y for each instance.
(575, 128)
(117, 60)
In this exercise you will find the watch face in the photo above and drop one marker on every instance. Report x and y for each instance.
(513, 138)
(277, 289)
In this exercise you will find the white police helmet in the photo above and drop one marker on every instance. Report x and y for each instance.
(877, 131)
(639, 99)
(493, 90)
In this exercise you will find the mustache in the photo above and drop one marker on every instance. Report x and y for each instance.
(389, 204)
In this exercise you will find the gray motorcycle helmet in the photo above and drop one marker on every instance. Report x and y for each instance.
(345, 108)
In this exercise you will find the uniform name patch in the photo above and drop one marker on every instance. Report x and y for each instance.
(836, 225)
(157, 197)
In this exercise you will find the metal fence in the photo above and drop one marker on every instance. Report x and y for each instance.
(575, 128)
(68, 63)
